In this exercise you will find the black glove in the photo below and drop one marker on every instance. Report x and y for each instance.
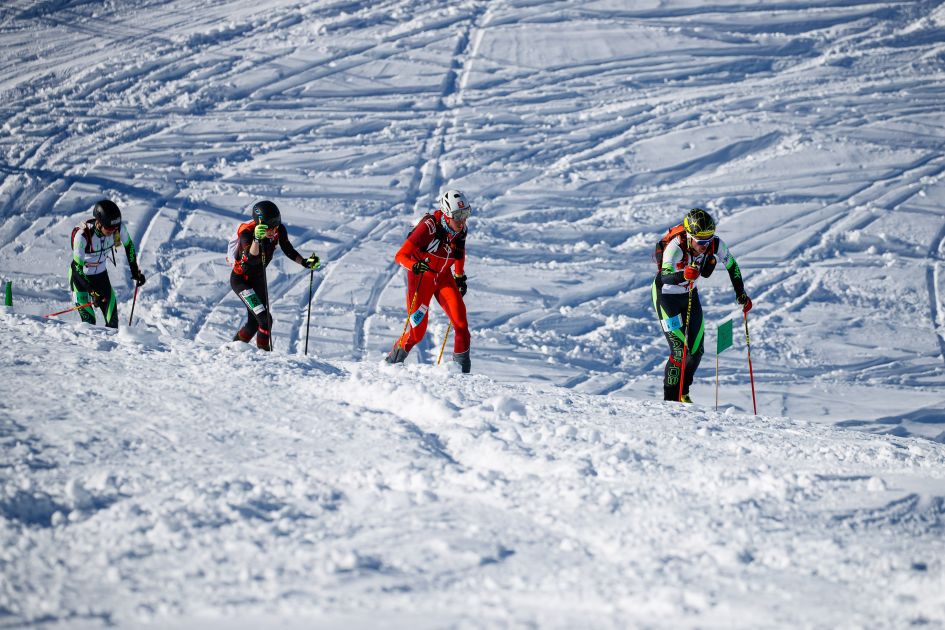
(312, 262)
(420, 266)
(461, 284)
(137, 276)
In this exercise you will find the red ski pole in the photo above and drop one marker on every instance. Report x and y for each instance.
(69, 310)
(751, 372)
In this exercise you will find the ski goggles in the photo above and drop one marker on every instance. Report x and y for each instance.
(460, 215)
(702, 242)
(109, 229)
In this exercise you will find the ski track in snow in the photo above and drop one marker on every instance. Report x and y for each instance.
(552, 143)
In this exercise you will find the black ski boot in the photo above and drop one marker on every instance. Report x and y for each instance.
(397, 355)
(463, 359)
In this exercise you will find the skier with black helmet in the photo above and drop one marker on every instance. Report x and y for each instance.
(251, 251)
(436, 246)
(92, 240)
(685, 253)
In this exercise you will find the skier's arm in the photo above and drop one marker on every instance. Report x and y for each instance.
(287, 249)
(248, 258)
(735, 274)
(79, 278)
(460, 263)
(672, 271)
(130, 251)
(408, 255)
(129, 246)
(725, 256)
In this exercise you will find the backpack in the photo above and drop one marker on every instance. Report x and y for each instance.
(673, 233)
(233, 246)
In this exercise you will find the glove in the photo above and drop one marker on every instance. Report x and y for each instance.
(312, 262)
(420, 266)
(260, 231)
(461, 284)
(691, 273)
(745, 301)
(137, 276)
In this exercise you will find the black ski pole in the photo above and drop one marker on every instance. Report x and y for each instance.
(308, 318)
(262, 252)
(133, 302)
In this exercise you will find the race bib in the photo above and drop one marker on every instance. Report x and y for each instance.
(673, 323)
(252, 301)
(418, 315)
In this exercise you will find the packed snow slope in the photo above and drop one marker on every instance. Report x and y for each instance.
(167, 474)
(579, 130)
(194, 484)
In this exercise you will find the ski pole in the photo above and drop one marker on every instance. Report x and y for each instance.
(262, 252)
(69, 310)
(445, 337)
(133, 302)
(308, 318)
(682, 368)
(751, 372)
(407, 321)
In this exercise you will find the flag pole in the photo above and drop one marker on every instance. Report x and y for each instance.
(716, 381)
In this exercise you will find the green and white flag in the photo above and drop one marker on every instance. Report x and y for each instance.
(724, 336)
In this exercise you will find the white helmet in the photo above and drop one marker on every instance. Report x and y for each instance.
(454, 205)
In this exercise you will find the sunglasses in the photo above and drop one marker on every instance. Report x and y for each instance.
(110, 229)
(702, 241)
(460, 215)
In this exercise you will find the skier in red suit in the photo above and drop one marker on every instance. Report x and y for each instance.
(434, 255)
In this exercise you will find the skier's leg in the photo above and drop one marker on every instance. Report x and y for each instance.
(451, 300)
(106, 300)
(81, 296)
(263, 317)
(248, 292)
(670, 311)
(417, 326)
(111, 305)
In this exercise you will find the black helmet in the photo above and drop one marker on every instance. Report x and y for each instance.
(107, 213)
(699, 223)
(267, 213)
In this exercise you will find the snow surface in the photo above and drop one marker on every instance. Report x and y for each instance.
(164, 475)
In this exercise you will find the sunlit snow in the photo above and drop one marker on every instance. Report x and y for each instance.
(166, 475)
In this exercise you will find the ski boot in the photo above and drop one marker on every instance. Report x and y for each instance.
(463, 359)
(397, 355)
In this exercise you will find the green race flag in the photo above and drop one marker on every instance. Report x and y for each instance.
(724, 336)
